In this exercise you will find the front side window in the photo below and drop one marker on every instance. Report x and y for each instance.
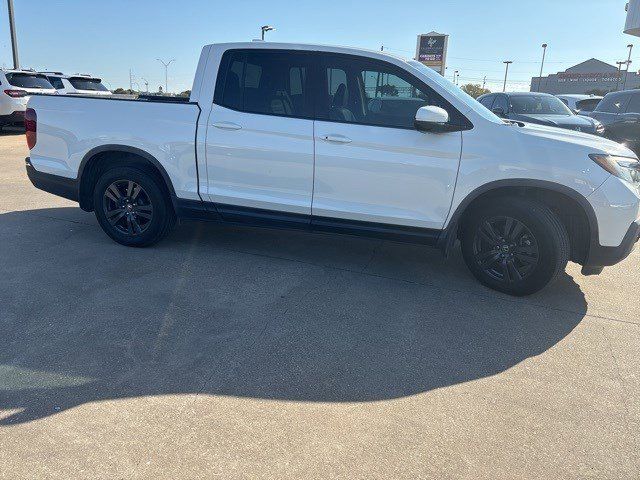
(613, 104)
(375, 93)
(265, 82)
(487, 101)
(501, 102)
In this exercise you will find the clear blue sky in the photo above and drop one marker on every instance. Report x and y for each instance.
(115, 35)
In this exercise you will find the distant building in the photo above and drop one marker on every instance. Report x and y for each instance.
(586, 77)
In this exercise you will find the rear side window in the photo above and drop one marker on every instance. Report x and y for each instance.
(587, 105)
(56, 82)
(634, 103)
(265, 82)
(613, 104)
(92, 84)
(26, 80)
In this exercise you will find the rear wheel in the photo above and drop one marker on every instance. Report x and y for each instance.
(131, 207)
(515, 246)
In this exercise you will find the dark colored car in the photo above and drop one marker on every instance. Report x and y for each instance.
(619, 112)
(540, 108)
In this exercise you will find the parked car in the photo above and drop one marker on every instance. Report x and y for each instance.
(540, 108)
(79, 84)
(16, 86)
(580, 104)
(619, 113)
(342, 140)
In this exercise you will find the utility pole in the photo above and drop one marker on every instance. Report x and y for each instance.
(146, 84)
(544, 52)
(506, 72)
(484, 82)
(14, 41)
(626, 73)
(130, 80)
(166, 67)
(455, 77)
(382, 48)
(619, 74)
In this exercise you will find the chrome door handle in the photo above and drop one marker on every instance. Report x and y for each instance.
(336, 139)
(226, 126)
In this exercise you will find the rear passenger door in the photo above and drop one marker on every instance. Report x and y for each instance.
(372, 165)
(259, 146)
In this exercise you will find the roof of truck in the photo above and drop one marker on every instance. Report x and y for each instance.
(259, 44)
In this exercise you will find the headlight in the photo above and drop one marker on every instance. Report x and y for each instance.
(626, 168)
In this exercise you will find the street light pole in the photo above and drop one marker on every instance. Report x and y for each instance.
(506, 72)
(12, 29)
(626, 73)
(266, 28)
(544, 52)
(166, 68)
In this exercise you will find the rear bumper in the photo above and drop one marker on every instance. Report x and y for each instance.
(13, 118)
(55, 184)
(600, 256)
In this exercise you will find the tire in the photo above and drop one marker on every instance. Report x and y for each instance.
(515, 246)
(132, 207)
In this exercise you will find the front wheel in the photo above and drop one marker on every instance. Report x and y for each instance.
(131, 207)
(514, 245)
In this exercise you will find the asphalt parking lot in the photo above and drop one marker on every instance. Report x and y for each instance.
(245, 353)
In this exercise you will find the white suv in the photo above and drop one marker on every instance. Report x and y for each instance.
(15, 87)
(78, 84)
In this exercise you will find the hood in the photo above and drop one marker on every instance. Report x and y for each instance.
(572, 122)
(591, 142)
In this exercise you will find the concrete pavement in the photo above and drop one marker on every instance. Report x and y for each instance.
(246, 353)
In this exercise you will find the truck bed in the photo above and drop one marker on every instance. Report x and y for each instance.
(71, 128)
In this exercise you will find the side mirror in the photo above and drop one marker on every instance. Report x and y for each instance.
(431, 119)
(499, 111)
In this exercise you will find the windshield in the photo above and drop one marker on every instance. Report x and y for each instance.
(538, 105)
(455, 91)
(26, 80)
(93, 84)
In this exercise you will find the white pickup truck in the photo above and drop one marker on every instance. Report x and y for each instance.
(342, 140)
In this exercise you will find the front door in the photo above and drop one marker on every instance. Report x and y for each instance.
(259, 145)
(372, 165)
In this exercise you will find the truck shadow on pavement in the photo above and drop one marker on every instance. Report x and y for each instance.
(266, 314)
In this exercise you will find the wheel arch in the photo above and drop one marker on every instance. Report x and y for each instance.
(94, 163)
(574, 210)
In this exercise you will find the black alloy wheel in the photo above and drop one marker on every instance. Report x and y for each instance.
(505, 249)
(127, 207)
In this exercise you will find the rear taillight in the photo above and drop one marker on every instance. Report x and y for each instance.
(16, 93)
(30, 124)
